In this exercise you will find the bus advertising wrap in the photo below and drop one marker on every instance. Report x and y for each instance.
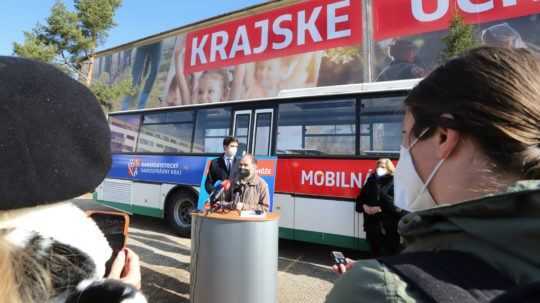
(305, 27)
(186, 170)
(419, 16)
(304, 44)
(159, 169)
(323, 177)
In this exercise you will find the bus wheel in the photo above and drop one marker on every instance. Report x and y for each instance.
(178, 212)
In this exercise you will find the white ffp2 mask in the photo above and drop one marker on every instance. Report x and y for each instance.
(381, 171)
(410, 192)
(231, 151)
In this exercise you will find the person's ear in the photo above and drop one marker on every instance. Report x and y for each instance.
(447, 141)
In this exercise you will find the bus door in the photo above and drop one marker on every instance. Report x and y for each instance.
(253, 129)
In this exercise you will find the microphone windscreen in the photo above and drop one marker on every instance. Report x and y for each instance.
(217, 184)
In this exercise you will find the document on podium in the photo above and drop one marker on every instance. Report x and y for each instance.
(252, 214)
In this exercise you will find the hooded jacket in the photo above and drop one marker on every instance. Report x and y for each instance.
(503, 230)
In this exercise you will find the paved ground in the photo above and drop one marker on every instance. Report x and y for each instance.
(304, 271)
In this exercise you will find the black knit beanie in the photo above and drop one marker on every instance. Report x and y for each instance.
(54, 137)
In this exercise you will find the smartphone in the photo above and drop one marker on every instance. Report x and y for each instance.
(339, 258)
(114, 226)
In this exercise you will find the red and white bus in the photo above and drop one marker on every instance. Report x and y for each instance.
(309, 72)
(326, 141)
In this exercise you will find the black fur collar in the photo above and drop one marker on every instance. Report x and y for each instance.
(72, 250)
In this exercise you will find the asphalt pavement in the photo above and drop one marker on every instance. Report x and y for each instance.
(304, 269)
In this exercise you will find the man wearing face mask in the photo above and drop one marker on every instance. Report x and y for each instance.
(224, 167)
(249, 190)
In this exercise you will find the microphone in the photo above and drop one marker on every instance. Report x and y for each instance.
(217, 184)
(237, 186)
(223, 187)
(261, 209)
(236, 193)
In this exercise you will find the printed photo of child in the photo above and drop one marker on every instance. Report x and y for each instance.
(200, 87)
(213, 86)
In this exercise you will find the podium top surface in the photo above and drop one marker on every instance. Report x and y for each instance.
(234, 215)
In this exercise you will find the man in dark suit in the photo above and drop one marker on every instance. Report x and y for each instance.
(224, 167)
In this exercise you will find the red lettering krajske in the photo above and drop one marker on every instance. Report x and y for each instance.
(396, 18)
(308, 26)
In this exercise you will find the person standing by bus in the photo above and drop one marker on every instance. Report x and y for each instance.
(381, 216)
(224, 167)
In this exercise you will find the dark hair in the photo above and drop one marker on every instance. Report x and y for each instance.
(493, 97)
(229, 140)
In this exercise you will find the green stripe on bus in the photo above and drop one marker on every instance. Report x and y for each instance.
(148, 211)
(139, 210)
(286, 233)
(323, 238)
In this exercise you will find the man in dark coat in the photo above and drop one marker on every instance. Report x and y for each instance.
(381, 216)
(224, 167)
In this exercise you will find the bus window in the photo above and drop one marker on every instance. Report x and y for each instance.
(167, 132)
(213, 125)
(242, 130)
(263, 132)
(380, 125)
(317, 128)
(124, 129)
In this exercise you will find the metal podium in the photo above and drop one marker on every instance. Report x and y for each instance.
(233, 259)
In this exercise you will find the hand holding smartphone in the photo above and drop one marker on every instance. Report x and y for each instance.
(114, 226)
(341, 264)
(339, 258)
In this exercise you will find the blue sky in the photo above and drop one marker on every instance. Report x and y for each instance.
(136, 18)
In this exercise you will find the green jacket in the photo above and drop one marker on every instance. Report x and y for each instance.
(503, 230)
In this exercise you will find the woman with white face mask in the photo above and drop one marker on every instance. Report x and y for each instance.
(469, 172)
(376, 202)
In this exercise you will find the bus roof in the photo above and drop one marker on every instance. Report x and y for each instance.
(387, 86)
(335, 90)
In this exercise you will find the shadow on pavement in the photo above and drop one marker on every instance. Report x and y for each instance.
(152, 241)
(315, 253)
(160, 288)
(150, 223)
(160, 285)
(149, 257)
(313, 260)
(305, 269)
